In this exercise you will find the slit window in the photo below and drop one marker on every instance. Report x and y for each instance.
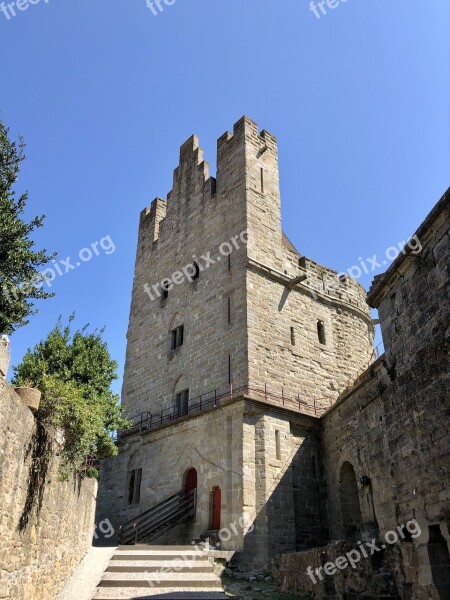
(229, 369)
(182, 402)
(277, 444)
(292, 336)
(134, 486)
(177, 337)
(165, 287)
(229, 262)
(321, 332)
(262, 180)
(196, 274)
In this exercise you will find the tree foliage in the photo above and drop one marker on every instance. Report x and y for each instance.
(74, 372)
(20, 280)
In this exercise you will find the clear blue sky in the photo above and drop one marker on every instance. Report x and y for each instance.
(104, 93)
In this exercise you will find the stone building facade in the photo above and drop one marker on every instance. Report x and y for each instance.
(224, 307)
(241, 365)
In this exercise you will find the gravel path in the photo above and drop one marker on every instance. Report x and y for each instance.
(83, 583)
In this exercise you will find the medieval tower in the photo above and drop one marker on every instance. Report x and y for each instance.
(236, 345)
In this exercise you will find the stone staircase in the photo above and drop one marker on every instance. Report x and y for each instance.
(166, 572)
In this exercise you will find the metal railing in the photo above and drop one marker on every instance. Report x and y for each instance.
(379, 350)
(159, 518)
(148, 421)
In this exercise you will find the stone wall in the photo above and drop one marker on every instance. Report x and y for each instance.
(284, 487)
(393, 427)
(211, 443)
(38, 552)
(386, 442)
(363, 579)
(265, 460)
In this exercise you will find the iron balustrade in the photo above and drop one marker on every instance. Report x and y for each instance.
(159, 518)
(147, 421)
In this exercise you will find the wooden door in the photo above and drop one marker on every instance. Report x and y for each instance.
(217, 507)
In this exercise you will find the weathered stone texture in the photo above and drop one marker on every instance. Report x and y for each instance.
(197, 218)
(263, 314)
(369, 578)
(394, 426)
(35, 562)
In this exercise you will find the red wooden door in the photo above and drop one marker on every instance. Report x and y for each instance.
(217, 506)
(191, 481)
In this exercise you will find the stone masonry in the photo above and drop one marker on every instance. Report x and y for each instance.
(38, 552)
(386, 442)
(281, 335)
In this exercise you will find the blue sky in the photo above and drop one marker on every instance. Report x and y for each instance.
(104, 93)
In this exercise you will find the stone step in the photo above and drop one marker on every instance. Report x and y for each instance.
(160, 557)
(119, 566)
(169, 572)
(154, 547)
(158, 593)
(160, 579)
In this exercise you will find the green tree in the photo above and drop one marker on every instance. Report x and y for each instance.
(75, 371)
(20, 280)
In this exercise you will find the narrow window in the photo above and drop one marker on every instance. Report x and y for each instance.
(134, 486)
(229, 369)
(262, 180)
(131, 487)
(182, 402)
(196, 272)
(177, 337)
(229, 309)
(321, 332)
(137, 486)
(165, 293)
(277, 444)
(180, 336)
(229, 262)
(292, 336)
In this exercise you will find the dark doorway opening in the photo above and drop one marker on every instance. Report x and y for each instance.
(191, 481)
(439, 561)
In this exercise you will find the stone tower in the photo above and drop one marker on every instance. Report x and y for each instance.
(236, 345)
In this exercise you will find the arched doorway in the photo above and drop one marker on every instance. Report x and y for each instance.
(350, 508)
(191, 481)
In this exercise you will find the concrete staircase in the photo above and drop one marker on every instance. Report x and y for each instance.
(166, 572)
